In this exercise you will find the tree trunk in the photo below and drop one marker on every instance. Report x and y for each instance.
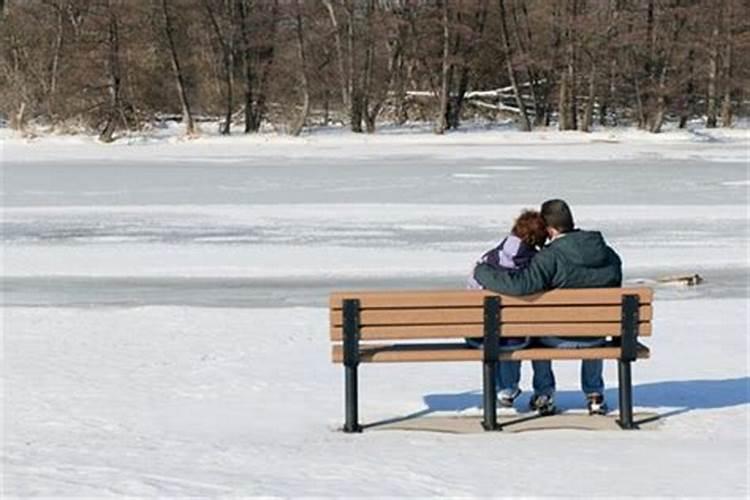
(55, 66)
(187, 115)
(689, 98)
(712, 73)
(339, 52)
(18, 120)
(572, 87)
(354, 84)
(113, 75)
(530, 69)
(726, 104)
(657, 119)
(457, 104)
(265, 58)
(367, 73)
(588, 113)
(640, 112)
(567, 105)
(563, 109)
(227, 57)
(442, 123)
(541, 88)
(525, 123)
(300, 123)
(248, 69)
(608, 103)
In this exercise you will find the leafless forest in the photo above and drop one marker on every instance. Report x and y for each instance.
(114, 65)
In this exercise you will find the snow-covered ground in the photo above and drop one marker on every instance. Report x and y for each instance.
(165, 331)
(168, 143)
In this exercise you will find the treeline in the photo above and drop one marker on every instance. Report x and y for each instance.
(113, 65)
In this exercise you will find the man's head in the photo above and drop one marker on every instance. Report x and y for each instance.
(557, 216)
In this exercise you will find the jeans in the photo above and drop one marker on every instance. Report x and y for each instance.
(509, 375)
(509, 372)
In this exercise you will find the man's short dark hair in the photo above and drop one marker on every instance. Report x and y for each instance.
(557, 214)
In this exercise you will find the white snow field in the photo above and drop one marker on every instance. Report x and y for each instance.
(165, 330)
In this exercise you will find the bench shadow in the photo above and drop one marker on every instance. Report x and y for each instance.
(680, 395)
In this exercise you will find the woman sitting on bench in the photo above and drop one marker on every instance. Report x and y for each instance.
(514, 252)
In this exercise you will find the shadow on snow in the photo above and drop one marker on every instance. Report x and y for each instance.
(681, 395)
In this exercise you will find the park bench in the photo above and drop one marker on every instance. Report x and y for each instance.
(430, 325)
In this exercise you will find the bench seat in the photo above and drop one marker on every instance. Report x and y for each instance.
(394, 353)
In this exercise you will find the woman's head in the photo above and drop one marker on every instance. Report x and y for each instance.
(530, 228)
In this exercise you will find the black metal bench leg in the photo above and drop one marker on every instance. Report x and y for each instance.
(626, 395)
(352, 405)
(491, 348)
(628, 354)
(350, 313)
(490, 396)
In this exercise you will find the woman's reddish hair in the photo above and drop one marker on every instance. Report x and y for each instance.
(530, 228)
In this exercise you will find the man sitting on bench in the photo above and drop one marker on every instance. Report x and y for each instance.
(572, 259)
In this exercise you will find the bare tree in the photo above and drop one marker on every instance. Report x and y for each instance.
(568, 108)
(508, 52)
(727, 68)
(300, 123)
(110, 64)
(258, 51)
(344, 81)
(442, 122)
(713, 66)
(114, 87)
(224, 34)
(187, 115)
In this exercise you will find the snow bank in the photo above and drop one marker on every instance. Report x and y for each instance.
(501, 142)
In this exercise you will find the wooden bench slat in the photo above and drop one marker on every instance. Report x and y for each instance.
(532, 314)
(477, 330)
(385, 353)
(467, 298)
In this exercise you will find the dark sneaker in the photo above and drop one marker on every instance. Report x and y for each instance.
(543, 404)
(506, 398)
(596, 404)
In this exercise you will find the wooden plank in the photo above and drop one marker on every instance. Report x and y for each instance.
(467, 298)
(464, 315)
(385, 353)
(476, 330)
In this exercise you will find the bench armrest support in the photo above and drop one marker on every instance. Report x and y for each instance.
(629, 325)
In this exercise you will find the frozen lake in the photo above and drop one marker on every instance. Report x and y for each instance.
(274, 231)
(417, 179)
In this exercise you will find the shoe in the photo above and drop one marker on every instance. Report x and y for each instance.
(543, 404)
(507, 397)
(596, 404)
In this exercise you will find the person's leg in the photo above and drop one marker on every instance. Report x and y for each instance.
(508, 377)
(591, 376)
(509, 372)
(544, 378)
(591, 370)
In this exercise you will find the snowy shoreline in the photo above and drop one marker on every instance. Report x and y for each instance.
(169, 143)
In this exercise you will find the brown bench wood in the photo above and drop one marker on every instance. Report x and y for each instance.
(418, 324)
(407, 353)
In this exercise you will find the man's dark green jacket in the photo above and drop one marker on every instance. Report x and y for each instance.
(577, 259)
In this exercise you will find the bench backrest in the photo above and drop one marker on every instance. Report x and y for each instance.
(455, 314)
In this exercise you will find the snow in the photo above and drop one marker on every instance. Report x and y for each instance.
(187, 401)
(170, 144)
(165, 324)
